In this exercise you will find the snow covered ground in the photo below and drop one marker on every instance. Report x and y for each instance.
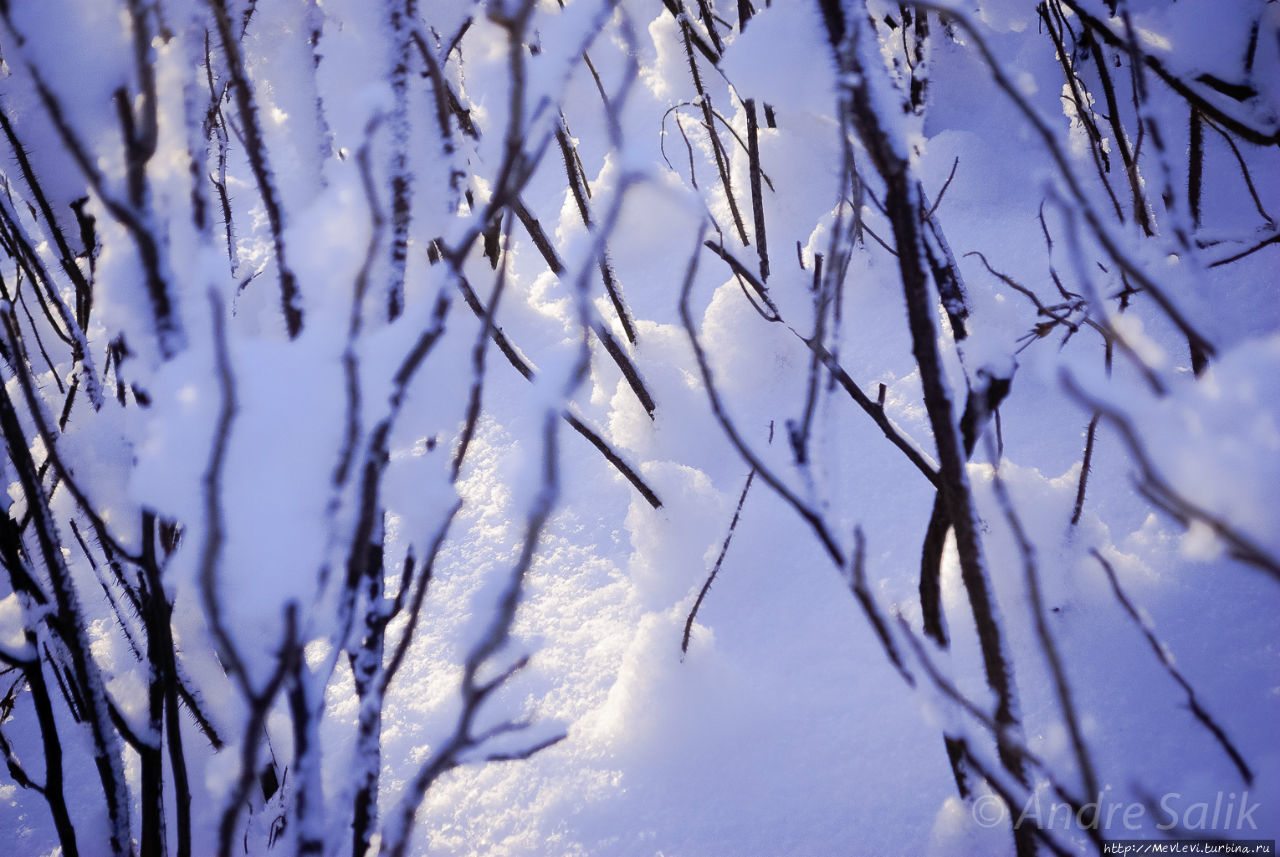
(1138, 618)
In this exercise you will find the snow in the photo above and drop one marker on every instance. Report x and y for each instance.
(785, 728)
(11, 621)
